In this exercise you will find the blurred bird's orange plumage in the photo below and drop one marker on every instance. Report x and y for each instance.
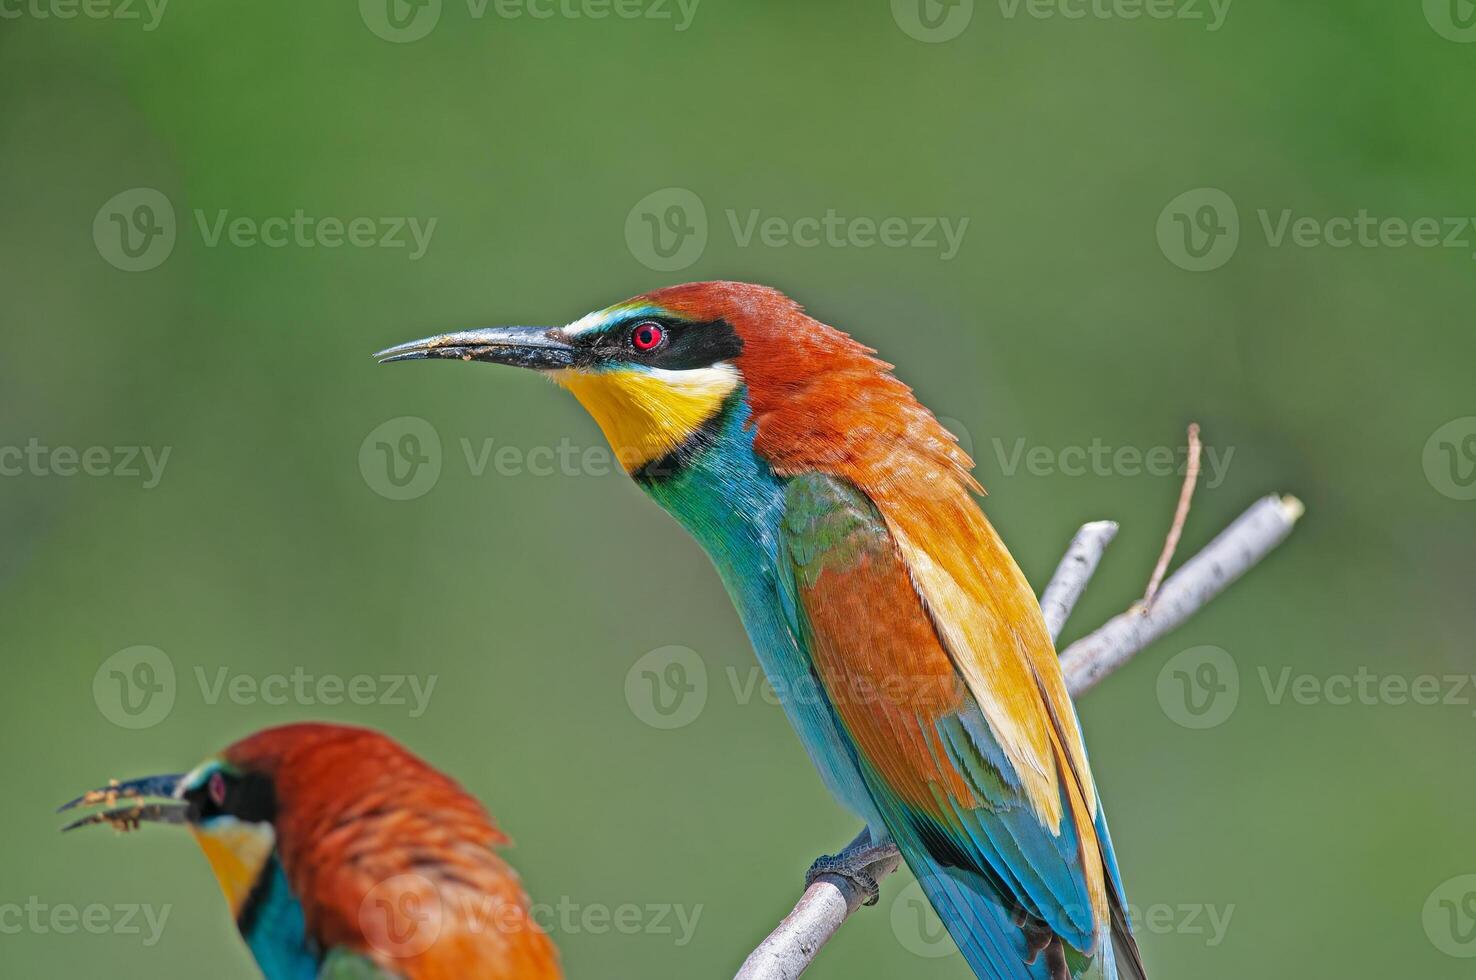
(371, 837)
(344, 856)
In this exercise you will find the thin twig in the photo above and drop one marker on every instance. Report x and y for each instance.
(1229, 556)
(830, 899)
(1181, 514)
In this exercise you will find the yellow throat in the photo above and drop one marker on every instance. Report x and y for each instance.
(237, 853)
(646, 414)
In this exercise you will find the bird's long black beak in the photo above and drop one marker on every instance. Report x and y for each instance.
(540, 348)
(150, 800)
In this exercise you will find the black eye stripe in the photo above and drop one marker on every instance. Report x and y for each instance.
(249, 797)
(685, 346)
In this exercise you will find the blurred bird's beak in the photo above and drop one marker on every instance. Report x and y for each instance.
(138, 810)
(539, 348)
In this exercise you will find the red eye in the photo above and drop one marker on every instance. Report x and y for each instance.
(217, 788)
(647, 335)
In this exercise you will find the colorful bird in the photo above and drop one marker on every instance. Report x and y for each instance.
(841, 517)
(344, 856)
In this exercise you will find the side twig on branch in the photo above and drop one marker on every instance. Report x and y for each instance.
(1181, 515)
(830, 899)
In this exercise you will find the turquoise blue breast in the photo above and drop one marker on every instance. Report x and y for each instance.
(732, 502)
(273, 925)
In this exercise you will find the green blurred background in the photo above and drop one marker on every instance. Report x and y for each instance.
(1328, 834)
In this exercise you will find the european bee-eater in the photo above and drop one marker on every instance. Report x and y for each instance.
(345, 857)
(841, 517)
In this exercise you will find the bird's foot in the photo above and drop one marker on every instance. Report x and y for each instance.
(1040, 939)
(859, 864)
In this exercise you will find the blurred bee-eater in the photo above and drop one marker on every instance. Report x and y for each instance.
(345, 857)
(841, 517)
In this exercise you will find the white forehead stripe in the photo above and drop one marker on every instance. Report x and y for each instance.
(599, 319)
(195, 778)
